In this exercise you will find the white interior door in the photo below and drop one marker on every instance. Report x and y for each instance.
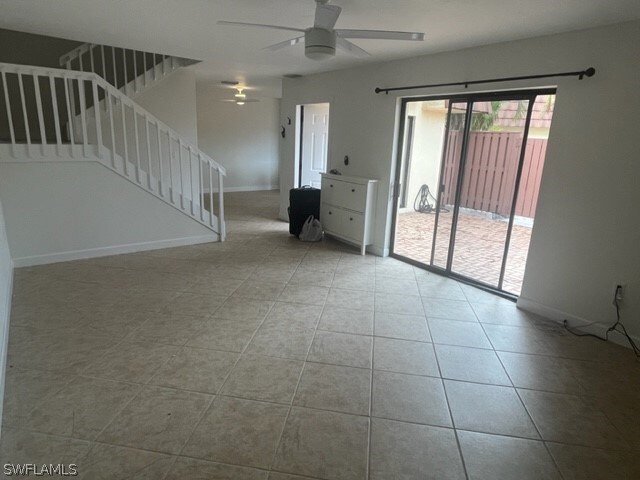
(315, 136)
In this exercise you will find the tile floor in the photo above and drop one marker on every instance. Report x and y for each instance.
(266, 358)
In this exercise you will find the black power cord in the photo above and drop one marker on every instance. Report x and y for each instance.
(618, 327)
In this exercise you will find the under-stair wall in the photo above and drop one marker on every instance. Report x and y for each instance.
(6, 277)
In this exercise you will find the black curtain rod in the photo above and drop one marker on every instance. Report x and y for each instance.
(589, 72)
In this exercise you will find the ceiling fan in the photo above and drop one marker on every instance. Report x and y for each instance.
(321, 40)
(241, 98)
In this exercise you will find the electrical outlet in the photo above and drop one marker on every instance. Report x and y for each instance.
(619, 292)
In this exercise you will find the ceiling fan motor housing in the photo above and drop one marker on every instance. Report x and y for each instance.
(319, 43)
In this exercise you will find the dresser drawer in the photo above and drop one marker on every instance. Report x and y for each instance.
(353, 225)
(330, 217)
(344, 194)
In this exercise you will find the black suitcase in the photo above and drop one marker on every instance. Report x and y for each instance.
(303, 202)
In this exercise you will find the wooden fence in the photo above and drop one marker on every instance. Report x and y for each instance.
(490, 172)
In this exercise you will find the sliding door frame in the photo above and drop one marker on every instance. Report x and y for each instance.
(470, 98)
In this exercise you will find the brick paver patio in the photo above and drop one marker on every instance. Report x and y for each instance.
(478, 250)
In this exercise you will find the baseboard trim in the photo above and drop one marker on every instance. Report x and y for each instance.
(576, 323)
(112, 250)
(247, 188)
(251, 188)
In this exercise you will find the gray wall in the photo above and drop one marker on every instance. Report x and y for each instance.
(581, 246)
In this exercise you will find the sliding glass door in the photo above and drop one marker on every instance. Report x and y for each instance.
(463, 166)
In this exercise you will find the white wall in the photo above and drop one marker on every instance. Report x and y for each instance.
(243, 138)
(173, 100)
(58, 211)
(580, 246)
(6, 277)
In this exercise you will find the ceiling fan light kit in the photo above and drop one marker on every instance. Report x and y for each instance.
(322, 39)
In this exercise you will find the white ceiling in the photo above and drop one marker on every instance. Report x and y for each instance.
(188, 28)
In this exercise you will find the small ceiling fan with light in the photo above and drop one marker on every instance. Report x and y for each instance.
(321, 40)
(241, 98)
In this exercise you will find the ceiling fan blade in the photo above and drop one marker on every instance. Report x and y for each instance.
(286, 43)
(350, 47)
(326, 16)
(250, 100)
(381, 35)
(228, 101)
(261, 25)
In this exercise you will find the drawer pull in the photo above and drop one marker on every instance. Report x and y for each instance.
(351, 218)
(353, 189)
(329, 213)
(331, 185)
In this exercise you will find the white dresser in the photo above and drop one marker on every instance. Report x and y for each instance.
(347, 208)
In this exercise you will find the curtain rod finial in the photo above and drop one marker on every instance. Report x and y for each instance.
(590, 72)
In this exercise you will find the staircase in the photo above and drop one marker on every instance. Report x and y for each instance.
(88, 114)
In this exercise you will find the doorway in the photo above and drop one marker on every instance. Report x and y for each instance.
(468, 177)
(312, 143)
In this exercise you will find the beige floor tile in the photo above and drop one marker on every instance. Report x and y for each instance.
(454, 332)
(167, 328)
(341, 349)
(305, 294)
(106, 462)
(344, 320)
(449, 309)
(239, 432)
(539, 372)
(403, 356)
(490, 457)
(396, 286)
(20, 447)
(324, 445)
(285, 476)
(264, 378)
(488, 409)
(435, 286)
(82, 409)
(570, 419)
(194, 304)
(116, 322)
(196, 369)
(131, 361)
(55, 351)
(409, 451)
(24, 389)
(510, 338)
(259, 290)
(192, 469)
(583, 463)
(350, 299)
(312, 276)
(471, 365)
(407, 327)
(409, 398)
(288, 315)
(232, 335)
(158, 419)
(215, 284)
(504, 314)
(243, 308)
(281, 342)
(354, 281)
(397, 303)
(333, 387)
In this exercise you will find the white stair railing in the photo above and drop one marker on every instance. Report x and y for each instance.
(126, 69)
(66, 114)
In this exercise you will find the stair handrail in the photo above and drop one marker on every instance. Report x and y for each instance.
(97, 81)
(118, 62)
